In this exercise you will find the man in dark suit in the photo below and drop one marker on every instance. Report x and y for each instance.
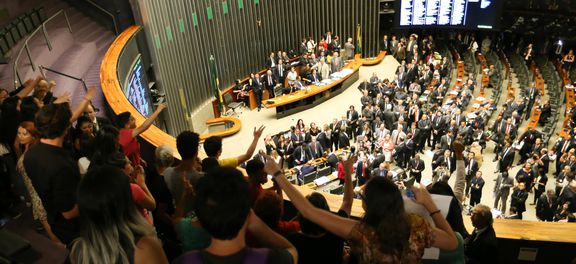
(314, 77)
(301, 155)
(447, 161)
(471, 169)
(381, 171)
(506, 157)
(438, 128)
(258, 90)
(481, 245)
(562, 146)
(271, 61)
(385, 45)
(343, 138)
(447, 140)
(363, 172)
(532, 95)
(280, 72)
(315, 149)
(546, 206)
(270, 82)
(97, 122)
(476, 185)
(416, 166)
(518, 198)
(352, 116)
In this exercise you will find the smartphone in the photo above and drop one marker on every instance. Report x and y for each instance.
(408, 183)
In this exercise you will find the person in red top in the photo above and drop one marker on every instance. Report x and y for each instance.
(341, 175)
(129, 131)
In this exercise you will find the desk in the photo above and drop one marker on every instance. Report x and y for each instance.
(304, 99)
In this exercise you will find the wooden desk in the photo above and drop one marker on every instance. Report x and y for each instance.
(314, 94)
(119, 103)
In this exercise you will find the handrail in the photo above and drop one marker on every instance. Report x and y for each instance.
(108, 13)
(17, 79)
(65, 75)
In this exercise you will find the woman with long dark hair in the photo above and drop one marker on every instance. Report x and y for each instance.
(387, 233)
(113, 231)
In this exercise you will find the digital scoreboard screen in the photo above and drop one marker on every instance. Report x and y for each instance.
(473, 14)
(136, 88)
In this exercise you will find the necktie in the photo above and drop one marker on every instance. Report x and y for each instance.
(381, 173)
(281, 71)
(417, 162)
(507, 129)
(269, 80)
(565, 147)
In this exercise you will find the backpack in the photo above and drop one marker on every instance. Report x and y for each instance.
(253, 256)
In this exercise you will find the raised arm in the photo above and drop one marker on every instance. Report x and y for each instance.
(28, 87)
(139, 130)
(148, 202)
(348, 198)
(79, 110)
(335, 224)
(460, 171)
(445, 238)
(250, 151)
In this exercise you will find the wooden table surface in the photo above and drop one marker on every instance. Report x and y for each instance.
(354, 65)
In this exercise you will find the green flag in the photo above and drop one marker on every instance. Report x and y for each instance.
(358, 39)
(216, 83)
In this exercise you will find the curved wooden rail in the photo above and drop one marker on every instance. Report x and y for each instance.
(119, 103)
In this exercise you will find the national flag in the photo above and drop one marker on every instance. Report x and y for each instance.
(358, 39)
(216, 83)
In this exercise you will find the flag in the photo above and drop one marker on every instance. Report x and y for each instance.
(216, 83)
(358, 39)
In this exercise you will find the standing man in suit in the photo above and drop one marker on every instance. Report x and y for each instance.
(336, 63)
(481, 245)
(97, 122)
(562, 146)
(271, 61)
(506, 157)
(323, 69)
(519, 196)
(352, 116)
(381, 171)
(502, 189)
(314, 77)
(528, 54)
(280, 72)
(385, 45)
(447, 140)
(270, 81)
(471, 169)
(438, 127)
(546, 206)
(315, 149)
(447, 161)
(416, 166)
(532, 95)
(477, 183)
(258, 90)
(349, 50)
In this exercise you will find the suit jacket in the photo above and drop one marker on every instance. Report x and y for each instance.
(503, 184)
(476, 185)
(266, 82)
(519, 199)
(471, 167)
(446, 142)
(301, 153)
(324, 71)
(257, 83)
(545, 208)
(313, 77)
(270, 62)
(316, 152)
(101, 121)
(276, 71)
(481, 248)
(343, 140)
(443, 161)
(416, 166)
(379, 173)
(336, 64)
(507, 158)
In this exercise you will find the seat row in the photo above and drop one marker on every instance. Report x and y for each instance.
(16, 30)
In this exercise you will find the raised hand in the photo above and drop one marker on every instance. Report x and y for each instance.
(258, 132)
(271, 166)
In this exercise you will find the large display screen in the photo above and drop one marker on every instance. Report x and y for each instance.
(472, 14)
(136, 88)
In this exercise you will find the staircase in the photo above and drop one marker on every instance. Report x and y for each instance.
(78, 54)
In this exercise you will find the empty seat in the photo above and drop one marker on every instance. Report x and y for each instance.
(230, 103)
(35, 17)
(28, 23)
(308, 178)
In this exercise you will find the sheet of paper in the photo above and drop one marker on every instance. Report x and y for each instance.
(443, 204)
